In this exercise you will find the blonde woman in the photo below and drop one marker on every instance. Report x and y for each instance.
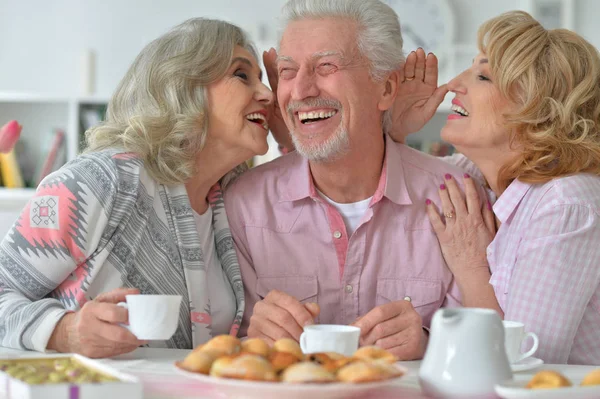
(142, 209)
(526, 119)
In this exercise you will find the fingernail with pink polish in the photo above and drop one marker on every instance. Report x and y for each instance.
(442, 186)
(467, 176)
(427, 201)
(489, 205)
(448, 176)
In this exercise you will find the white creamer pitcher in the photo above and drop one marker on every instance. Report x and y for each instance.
(465, 356)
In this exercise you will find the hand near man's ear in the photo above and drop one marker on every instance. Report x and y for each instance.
(418, 95)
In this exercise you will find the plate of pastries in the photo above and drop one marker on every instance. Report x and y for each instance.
(252, 368)
(584, 383)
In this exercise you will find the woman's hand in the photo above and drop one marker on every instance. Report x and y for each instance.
(9, 135)
(466, 229)
(418, 94)
(276, 122)
(94, 330)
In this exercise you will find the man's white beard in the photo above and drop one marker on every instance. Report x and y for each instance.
(333, 149)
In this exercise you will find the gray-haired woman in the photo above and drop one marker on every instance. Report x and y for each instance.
(141, 210)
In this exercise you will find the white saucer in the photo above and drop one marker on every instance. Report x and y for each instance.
(526, 364)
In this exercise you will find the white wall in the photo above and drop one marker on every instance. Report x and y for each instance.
(41, 41)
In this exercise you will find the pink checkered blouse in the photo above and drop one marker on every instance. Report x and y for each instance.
(545, 263)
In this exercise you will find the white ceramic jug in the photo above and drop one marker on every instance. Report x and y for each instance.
(465, 356)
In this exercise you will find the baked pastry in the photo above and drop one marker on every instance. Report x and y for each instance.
(290, 346)
(282, 360)
(220, 364)
(362, 371)
(256, 346)
(330, 360)
(548, 379)
(223, 345)
(389, 369)
(591, 378)
(307, 372)
(375, 353)
(198, 362)
(244, 367)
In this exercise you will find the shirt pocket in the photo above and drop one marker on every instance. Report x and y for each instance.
(303, 288)
(426, 296)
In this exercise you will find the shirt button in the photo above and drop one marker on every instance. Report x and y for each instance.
(407, 298)
(337, 234)
(349, 289)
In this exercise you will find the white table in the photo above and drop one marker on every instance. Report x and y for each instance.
(155, 369)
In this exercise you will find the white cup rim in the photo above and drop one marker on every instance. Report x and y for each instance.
(331, 328)
(152, 296)
(512, 324)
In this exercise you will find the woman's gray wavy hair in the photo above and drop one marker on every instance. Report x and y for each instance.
(159, 110)
(379, 35)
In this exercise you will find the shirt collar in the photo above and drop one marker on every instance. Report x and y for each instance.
(392, 182)
(509, 200)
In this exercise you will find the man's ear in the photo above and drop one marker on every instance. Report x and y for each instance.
(390, 90)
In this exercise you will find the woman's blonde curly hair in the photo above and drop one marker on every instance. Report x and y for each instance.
(159, 110)
(553, 76)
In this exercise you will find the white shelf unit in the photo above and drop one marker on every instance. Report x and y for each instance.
(39, 114)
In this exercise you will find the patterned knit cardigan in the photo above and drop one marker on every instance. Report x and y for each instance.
(99, 223)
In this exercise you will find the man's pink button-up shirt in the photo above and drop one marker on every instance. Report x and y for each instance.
(288, 238)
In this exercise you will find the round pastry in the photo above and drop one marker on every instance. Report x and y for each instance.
(330, 360)
(389, 369)
(362, 371)
(307, 372)
(198, 362)
(256, 346)
(290, 346)
(282, 360)
(223, 344)
(592, 378)
(247, 367)
(375, 353)
(220, 364)
(547, 379)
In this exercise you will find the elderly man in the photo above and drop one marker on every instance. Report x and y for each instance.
(341, 222)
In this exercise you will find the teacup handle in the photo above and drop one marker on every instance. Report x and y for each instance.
(124, 305)
(534, 348)
(303, 342)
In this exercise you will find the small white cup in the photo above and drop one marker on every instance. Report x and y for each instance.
(514, 336)
(330, 338)
(152, 317)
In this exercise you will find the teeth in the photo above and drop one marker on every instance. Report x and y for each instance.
(256, 117)
(459, 110)
(315, 115)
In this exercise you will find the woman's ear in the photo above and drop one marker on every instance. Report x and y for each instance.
(390, 90)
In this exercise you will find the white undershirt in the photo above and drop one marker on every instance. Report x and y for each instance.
(352, 213)
(220, 293)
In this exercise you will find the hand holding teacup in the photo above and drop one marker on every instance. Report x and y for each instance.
(94, 330)
(280, 315)
(395, 327)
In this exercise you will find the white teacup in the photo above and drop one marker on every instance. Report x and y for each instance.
(152, 317)
(330, 338)
(514, 336)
